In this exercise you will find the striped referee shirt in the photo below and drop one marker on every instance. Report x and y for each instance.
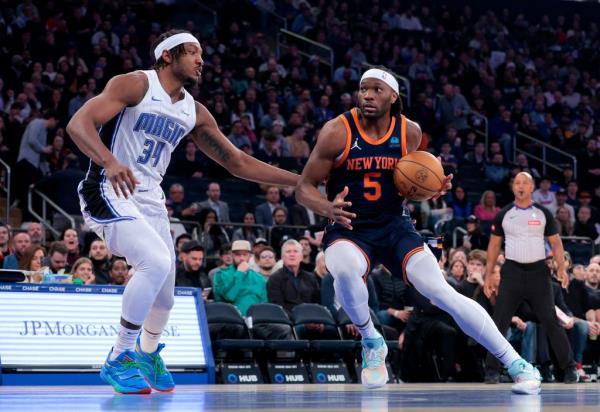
(524, 231)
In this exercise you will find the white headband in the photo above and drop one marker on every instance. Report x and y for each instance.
(383, 76)
(173, 41)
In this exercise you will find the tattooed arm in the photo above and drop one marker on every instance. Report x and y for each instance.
(211, 141)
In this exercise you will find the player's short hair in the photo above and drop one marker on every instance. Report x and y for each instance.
(479, 255)
(176, 52)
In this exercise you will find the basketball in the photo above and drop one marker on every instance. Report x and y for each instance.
(418, 176)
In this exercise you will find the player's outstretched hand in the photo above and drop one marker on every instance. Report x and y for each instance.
(121, 177)
(338, 214)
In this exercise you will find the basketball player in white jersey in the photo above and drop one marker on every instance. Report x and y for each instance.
(129, 132)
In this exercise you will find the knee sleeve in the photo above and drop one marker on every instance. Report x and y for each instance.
(347, 264)
(166, 296)
(345, 260)
(152, 261)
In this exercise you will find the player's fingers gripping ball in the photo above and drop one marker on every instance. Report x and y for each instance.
(419, 176)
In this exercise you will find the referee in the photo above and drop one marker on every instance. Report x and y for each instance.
(525, 276)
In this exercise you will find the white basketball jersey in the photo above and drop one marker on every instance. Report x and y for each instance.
(144, 136)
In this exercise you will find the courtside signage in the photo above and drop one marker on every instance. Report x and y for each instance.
(73, 327)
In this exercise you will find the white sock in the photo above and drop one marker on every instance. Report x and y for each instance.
(125, 341)
(347, 265)
(153, 326)
(425, 275)
(149, 340)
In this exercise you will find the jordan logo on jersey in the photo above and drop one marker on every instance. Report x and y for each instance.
(355, 145)
(160, 126)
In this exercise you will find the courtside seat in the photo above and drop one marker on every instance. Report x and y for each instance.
(330, 339)
(228, 330)
(271, 323)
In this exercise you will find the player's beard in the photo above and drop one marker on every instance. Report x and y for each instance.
(183, 78)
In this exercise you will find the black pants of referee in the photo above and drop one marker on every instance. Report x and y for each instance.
(530, 282)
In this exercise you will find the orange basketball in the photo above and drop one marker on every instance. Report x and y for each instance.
(418, 176)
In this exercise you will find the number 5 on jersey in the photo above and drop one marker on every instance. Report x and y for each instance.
(372, 187)
(152, 150)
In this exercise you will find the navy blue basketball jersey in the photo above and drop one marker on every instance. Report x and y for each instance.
(366, 166)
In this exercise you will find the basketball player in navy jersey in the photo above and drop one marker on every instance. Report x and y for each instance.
(357, 152)
(141, 117)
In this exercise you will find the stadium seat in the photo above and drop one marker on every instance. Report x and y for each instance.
(271, 323)
(233, 349)
(331, 339)
(228, 330)
(283, 356)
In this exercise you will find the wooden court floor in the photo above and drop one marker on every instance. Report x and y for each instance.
(305, 398)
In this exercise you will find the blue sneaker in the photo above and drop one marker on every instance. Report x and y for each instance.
(374, 373)
(123, 374)
(528, 380)
(153, 368)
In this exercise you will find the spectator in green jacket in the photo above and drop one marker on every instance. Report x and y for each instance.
(238, 284)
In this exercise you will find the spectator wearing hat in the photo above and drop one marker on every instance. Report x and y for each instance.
(259, 244)
(544, 196)
(585, 199)
(239, 284)
(189, 273)
(474, 238)
(561, 201)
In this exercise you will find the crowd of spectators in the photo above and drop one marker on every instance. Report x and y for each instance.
(534, 74)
